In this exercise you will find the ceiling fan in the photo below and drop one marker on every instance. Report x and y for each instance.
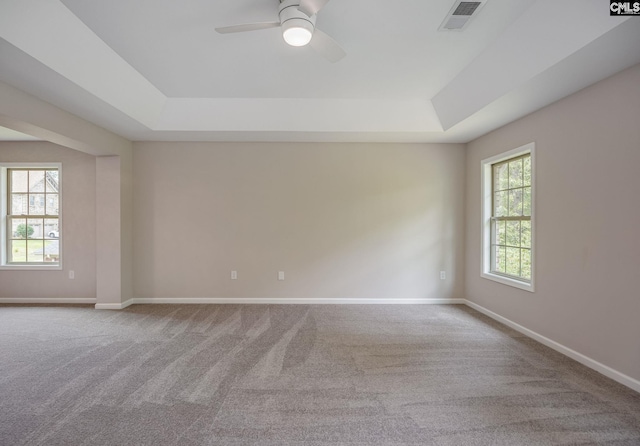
(298, 23)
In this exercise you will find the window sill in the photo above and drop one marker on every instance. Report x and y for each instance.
(509, 281)
(30, 267)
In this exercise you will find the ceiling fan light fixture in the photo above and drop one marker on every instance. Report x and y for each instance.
(297, 21)
(297, 32)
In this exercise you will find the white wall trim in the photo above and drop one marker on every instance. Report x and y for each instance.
(284, 300)
(582, 359)
(47, 300)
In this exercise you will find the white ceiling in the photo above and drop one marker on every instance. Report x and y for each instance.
(157, 70)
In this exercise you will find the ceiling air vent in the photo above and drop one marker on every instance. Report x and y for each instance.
(460, 15)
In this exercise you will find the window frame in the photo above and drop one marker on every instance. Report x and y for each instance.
(4, 226)
(487, 196)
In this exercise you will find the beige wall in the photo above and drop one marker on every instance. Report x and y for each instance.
(587, 223)
(78, 228)
(342, 220)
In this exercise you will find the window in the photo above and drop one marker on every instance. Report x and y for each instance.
(508, 218)
(31, 215)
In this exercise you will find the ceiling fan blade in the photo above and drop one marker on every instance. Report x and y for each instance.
(311, 7)
(247, 27)
(326, 46)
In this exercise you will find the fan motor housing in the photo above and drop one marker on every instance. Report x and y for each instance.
(289, 12)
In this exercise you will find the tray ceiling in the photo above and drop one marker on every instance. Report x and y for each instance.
(157, 70)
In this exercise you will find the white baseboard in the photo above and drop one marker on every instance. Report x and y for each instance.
(115, 306)
(582, 359)
(46, 300)
(285, 301)
(222, 300)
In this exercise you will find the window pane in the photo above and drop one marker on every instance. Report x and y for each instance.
(19, 204)
(526, 234)
(35, 252)
(526, 264)
(19, 228)
(513, 261)
(18, 251)
(526, 201)
(36, 204)
(52, 181)
(36, 181)
(500, 203)
(527, 171)
(499, 259)
(515, 203)
(52, 204)
(35, 228)
(500, 177)
(51, 228)
(515, 174)
(501, 233)
(51, 250)
(513, 233)
(493, 231)
(19, 181)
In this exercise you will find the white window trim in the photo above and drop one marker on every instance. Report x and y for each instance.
(3, 218)
(485, 201)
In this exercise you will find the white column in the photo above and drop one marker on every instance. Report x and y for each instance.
(108, 233)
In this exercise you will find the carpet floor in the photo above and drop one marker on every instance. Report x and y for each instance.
(295, 375)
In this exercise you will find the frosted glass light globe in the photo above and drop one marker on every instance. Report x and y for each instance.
(297, 32)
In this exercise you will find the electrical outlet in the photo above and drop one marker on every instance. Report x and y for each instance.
(443, 275)
(280, 275)
(72, 274)
(234, 275)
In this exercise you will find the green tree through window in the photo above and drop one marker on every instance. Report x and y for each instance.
(24, 231)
